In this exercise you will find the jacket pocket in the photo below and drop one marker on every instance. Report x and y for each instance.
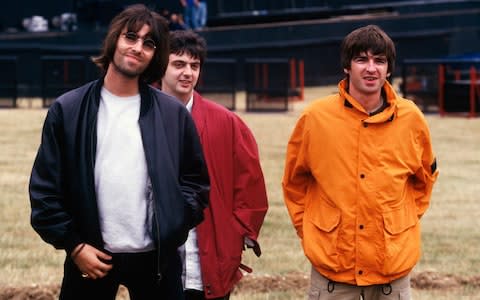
(402, 240)
(399, 220)
(321, 227)
(324, 216)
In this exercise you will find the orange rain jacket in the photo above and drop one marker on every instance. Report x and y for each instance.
(356, 187)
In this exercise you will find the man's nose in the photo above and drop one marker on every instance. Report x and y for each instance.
(138, 46)
(370, 65)
(187, 70)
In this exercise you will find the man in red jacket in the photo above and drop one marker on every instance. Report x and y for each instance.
(238, 200)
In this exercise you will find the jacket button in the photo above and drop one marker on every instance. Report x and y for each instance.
(361, 226)
(360, 272)
(362, 176)
(365, 124)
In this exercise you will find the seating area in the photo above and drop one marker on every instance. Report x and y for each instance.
(308, 31)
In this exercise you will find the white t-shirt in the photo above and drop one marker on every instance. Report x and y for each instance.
(121, 176)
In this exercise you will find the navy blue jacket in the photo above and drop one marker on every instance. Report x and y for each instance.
(62, 191)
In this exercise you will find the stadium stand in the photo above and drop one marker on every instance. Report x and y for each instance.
(308, 32)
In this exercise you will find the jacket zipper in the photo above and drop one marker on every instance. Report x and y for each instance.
(92, 150)
(154, 204)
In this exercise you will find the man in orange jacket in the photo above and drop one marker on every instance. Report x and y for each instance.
(359, 174)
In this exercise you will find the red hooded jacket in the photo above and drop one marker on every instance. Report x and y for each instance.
(238, 199)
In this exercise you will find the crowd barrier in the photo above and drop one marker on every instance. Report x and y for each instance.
(8, 81)
(221, 89)
(61, 74)
(447, 86)
(270, 83)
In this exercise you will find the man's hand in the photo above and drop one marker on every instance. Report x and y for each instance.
(91, 261)
(249, 243)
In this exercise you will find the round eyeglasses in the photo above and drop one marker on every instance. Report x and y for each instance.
(132, 38)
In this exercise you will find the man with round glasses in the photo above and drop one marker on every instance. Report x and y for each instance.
(132, 38)
(120, 178)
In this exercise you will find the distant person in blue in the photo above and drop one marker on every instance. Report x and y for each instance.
(189, 13)
(176, 22)
(201, 14)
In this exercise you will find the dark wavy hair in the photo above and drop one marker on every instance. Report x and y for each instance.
(187, 41)
(369, 38)
(133, 18)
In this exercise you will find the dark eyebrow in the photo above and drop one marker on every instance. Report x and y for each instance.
(147, 35)
(186, 62)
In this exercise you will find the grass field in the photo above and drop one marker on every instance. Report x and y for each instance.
(451, 239)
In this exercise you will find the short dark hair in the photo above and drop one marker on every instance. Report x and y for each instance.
(369, 38)
(187, 41)
(133, 18)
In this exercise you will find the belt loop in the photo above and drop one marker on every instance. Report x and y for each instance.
(330, 286)
(386, 289)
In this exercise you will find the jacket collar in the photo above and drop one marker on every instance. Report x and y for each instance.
(145, 95)
(198, 114)
(387, 115)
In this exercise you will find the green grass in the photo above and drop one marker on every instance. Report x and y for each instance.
(451, 239)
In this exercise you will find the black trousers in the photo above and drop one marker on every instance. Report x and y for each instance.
(200, 295)
(136, 271)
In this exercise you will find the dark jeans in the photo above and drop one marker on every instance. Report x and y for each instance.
(199, 295)
(136, 271)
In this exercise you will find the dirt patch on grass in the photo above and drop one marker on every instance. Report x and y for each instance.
(257, 284)
(36, 292)
(41, 292)
(434, 280)
(423, 280)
